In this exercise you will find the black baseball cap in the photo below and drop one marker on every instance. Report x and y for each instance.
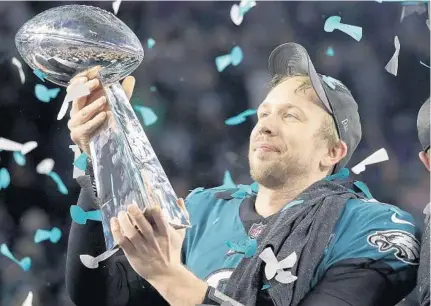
(291, 59)
(423, 124)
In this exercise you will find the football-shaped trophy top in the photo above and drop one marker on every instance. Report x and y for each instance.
(66, 40)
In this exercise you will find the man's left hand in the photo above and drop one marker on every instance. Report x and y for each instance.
(151, 245)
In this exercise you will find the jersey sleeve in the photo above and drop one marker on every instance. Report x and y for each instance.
(371, 259)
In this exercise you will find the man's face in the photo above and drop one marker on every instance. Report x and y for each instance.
(286, 141)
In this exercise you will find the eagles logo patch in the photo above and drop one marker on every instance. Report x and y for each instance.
(403, 244)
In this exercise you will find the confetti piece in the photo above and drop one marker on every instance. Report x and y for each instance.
(116, 6)
(334, 23)
(4, 178)
(392, 65)
(377, 157)
(273, 266)
(19, 158)
(153, 88)
(41, 75)
(147, 114)
(233, 58)
(251, 248)
(81, 217)
(81, 161)
(216, 221)
(60, 185)
(340, 175)
(266, 286)
(76, 91)
(28, 147)
(44, 94)
(45, 166)
(424, 64)
(93, 262)
(228, 182)
(29, 300)
(240, 118)
(24, 263)
(151, 43)
(52, 235)
(428, 23)
(427, 209)
(77, 153)
(18, 64)
(9, 145)
(237, 12)
(409, 9)
(330, 81)
(330, 51)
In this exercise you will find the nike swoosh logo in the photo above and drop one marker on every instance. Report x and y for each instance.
(395, 219)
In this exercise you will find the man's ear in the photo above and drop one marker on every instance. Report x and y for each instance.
(334, 155)
(425, 159)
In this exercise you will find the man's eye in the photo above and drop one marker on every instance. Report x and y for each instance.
(262, 115)
(289, 116)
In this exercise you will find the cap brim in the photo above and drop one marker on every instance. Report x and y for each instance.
(291, 59)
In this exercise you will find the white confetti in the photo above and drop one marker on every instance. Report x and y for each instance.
(76, 91)
(392, 65)
(377, 157)
(18, 64)
(273, 266)
(116, 6)
(29, 300)
(45, 166)
(237, 12)
(77, 152)
(93, 262)
(10, 145)
(28, 147)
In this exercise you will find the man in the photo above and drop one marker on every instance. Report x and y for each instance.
(423, 124)
(300, 235)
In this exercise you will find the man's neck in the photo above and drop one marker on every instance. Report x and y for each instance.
(270, 201)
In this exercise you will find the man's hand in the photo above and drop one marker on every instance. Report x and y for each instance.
(153, 249)
(90, 112)
(150, 244)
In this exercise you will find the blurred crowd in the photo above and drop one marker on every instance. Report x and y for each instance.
(192, 100)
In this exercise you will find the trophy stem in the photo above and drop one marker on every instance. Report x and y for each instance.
(126, 168)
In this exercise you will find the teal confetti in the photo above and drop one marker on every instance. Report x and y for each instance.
(266, 286)
(150, 43)
(4, 178)
(330, 51)
(19, 158)
(52, 235)
(340, 175)
(79, 216)
(147, 114)
(153, 88)
(240, 118)
(334, 23)
(254, 187)
(227, 180)
(60, 185)
(234, 58)
(41, 75)
(364, 188)
(24, 263)
(44, 94)
(247, 247)
(81, 161)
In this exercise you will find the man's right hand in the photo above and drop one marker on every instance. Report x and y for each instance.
(90, 112)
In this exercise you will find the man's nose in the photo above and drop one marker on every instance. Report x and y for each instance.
(268, 128)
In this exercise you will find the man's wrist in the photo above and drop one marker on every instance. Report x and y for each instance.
(178, 281)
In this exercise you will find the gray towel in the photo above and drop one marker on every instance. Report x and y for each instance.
(305, 229)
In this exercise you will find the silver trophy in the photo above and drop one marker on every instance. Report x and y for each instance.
(66, 40)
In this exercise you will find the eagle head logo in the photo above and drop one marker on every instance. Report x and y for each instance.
(404, 245)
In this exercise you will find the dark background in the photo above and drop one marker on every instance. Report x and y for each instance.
(193, 100)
